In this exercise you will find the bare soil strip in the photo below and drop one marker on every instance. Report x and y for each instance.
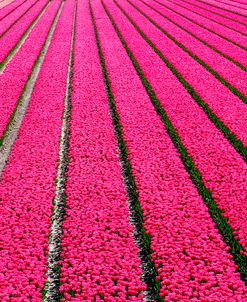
(52, 285)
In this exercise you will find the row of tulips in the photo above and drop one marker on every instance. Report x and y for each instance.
(234, 34)
(12, 37)
(129, 110)
(99, 257)
(226, 48)
(16, 16)
(233, 4)
(191, 260)
(222, 169)
(220, 20)
(241, 11)
(20, 67)
(203, 56)
(27, 187)
(216, 11)
(5, 3)
(7, 10)
(222, 102)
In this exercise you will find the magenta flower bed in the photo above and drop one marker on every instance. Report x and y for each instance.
(212, 154)
(229, 35)
(7, 10)
(220, 19)
(21, 66)
(174, 214)
(28, 182)
(227, 48)
(232, 4)
(234, 76)
(11, 38)
(228, 107)
(206, 7)
(99, 256)
(225, 32)
(127, 177)
(16, 15)
(226, 7)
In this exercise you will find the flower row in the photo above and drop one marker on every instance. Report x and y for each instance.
(227, 34)
(20, 67)
(224, 104)
(191, 260)
(222, 169)
(186, 9)
(238, 10)
(12, 37)
(217, 11)
(5, 3)
(234, 4)
(99, 256)
(16, 16)
(7, 10)
(225, 47)
(27, 187)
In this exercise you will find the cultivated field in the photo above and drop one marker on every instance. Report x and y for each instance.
(123, 150)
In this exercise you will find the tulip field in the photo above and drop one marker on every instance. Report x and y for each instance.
(123, 150)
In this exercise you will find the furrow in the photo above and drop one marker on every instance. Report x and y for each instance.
(123, 150)
(51, 289)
